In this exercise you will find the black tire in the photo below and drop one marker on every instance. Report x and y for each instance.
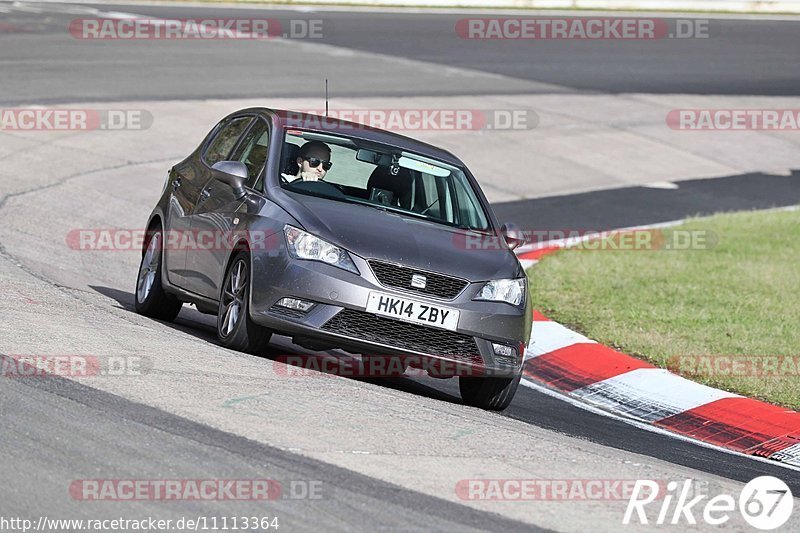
(494, 394)
(235, 329)
(149, 297)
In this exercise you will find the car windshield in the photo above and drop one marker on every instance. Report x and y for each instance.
(383, 177)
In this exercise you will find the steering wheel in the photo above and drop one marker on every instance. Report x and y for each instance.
(338, 186)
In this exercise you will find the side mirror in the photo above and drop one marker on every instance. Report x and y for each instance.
(513, 235)
(232, 173)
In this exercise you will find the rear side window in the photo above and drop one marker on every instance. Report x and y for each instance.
(253, 149)
(224, 141)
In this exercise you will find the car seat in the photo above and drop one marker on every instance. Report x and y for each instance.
(289, 158)
(407, 193)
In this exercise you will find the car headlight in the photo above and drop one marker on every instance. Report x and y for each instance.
(511, 291)
(303, 245)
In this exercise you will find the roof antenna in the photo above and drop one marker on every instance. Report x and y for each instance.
(326, 97)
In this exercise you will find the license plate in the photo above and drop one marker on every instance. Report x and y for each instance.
(412, 311)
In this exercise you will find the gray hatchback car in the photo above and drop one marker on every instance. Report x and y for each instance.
(339, 235)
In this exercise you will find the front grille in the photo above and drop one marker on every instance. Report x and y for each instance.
(285, 311)
(399, 277)
(404, 335)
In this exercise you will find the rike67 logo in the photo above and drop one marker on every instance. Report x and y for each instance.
(765, 503)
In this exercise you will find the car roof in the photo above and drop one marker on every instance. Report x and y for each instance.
(313, 122)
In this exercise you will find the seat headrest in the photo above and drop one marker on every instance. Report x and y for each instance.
(289, 157)
(382, 178)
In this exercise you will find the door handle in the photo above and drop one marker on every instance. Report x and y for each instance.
(176, 183)
(205, 193)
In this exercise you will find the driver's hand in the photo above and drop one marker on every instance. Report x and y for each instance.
(310, 176)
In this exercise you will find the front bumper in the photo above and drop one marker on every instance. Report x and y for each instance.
(339, 318)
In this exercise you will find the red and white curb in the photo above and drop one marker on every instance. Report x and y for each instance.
(594, 375)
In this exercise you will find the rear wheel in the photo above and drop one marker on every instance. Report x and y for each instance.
(235, 329)
(494, 394)
(151, 299)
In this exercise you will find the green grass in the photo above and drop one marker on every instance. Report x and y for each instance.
(740, 296)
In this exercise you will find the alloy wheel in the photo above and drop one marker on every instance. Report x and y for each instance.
(233, 296)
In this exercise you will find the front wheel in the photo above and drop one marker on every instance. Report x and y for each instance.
(151, 299)
(494, 394)
(235, 328)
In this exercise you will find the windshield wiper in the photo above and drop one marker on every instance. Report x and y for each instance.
(398, 210)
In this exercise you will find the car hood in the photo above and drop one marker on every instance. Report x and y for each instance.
(378, 234)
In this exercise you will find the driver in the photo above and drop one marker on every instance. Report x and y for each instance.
(313, 162)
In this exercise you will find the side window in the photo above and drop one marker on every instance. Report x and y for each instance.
(222, 144)
(253, 149)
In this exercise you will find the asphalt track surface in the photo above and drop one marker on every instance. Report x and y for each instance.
(544, 411)
(84, 427)
(740, 57)
(639, 206)
(74, 415)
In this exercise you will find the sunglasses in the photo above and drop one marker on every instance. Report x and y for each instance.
(314, 162)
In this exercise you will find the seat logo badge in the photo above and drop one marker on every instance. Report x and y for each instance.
(419, 281)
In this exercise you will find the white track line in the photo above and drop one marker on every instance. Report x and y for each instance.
(576, 240)
(548, 336)
(649, 394)
(790, 455)
(645, 426)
